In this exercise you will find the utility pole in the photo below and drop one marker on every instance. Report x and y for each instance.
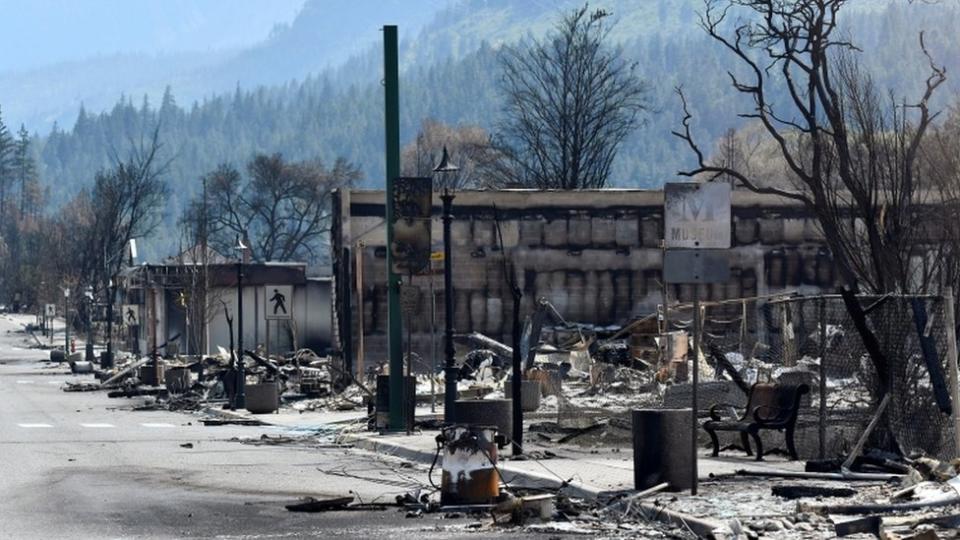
(240, 399)
(204, 305)
(391, 81)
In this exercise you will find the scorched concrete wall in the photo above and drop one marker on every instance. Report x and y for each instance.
(594, 254)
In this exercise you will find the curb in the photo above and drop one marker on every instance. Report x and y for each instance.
(382, 444)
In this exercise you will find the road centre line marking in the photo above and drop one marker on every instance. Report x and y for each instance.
(25, 382)
(35, 425)
(157, 425)
(54, 382)
(98, 425)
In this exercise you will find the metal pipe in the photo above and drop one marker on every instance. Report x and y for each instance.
(517, 393)
(823, 380)
(391, 80)
(108, 361)
(450, 371)
(694, 424)
(240, 399)
(66, 321)
(433, 346)
(88, 349)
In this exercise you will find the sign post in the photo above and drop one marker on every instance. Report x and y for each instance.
(278, 306)
(696, 229)
(49, 314)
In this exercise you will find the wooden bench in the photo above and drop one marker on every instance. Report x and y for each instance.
(769, 406)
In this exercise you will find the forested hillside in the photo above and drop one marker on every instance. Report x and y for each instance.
(450, 72)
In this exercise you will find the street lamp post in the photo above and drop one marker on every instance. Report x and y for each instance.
(41, 294)
(240, 398)
(66, 319)
(106, 361)
(88, 297)
(450, 372)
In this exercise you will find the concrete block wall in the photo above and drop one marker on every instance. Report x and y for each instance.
(595, 255)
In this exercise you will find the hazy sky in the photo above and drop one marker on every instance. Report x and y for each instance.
(42, 32)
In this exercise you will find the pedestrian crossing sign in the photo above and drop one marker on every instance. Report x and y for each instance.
(131, 315)
(278, 302)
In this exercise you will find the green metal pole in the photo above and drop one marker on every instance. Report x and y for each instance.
(391, 80)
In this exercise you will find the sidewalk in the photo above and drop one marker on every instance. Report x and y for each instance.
(588, 473)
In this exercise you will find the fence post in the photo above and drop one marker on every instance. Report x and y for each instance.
(823, 377)
(952, 366)
(743, 328)
(787, 334)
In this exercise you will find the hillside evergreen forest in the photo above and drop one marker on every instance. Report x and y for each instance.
(450, 73)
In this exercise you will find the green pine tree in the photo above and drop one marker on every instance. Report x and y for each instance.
(25, 172)
(6, 168)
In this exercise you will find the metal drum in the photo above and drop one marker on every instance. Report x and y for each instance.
(262, 398)
(383, 400)
(486, 412)
(470, 475)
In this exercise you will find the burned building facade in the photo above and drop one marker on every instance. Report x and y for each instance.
(595, 255)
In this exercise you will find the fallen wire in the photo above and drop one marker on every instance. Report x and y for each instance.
(403, 482)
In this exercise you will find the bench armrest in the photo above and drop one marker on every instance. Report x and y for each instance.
(765, 410)
(715, 410)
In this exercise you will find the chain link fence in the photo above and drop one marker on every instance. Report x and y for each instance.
(794, 340)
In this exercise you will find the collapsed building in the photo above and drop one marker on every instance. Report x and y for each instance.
(594, 255)
(181, 307)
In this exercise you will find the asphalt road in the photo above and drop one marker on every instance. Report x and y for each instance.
(80, 465)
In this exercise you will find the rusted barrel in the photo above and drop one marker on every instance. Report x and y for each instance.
(151, 375)
(470, 475)
(529, 394)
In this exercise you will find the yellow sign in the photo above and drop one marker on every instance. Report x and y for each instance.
(436, 256)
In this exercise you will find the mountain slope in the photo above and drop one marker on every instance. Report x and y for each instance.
(323, 35)
(339, 112)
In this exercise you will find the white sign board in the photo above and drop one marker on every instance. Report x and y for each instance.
(696, 216)
(278, 302)
(131, 315)
(50, 310)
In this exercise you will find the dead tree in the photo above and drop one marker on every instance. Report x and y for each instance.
(850, 152)
(570, 101)
(125, 202)
(283, 208)
(469, 147)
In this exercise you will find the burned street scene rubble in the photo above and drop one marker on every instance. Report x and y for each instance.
(468, 269)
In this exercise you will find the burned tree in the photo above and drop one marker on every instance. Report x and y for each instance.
(124, 203)
(850, 152)
(570, 101)
(282, 208)
(469, 148)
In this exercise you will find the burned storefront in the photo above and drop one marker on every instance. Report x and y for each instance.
(596, 256)
(184, 308)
